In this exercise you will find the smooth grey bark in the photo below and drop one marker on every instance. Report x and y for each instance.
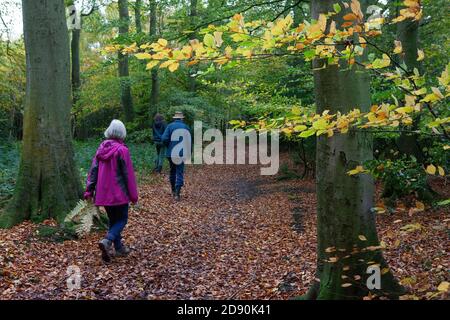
(154, 95)
(126, 98)
(48, 183)
(343, 201)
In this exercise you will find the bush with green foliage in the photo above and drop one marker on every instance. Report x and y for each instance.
(402, 177)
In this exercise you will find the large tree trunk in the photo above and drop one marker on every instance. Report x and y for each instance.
(344, 202)
(192, 21)
(154, 95)
(48, 183)
(125, 86)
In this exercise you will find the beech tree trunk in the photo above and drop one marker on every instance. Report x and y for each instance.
(408, 35)
(345, 223)
(154, 95)
(124, 75)
(48, 183)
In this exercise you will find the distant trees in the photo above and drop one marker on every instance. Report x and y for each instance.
(126, 98)
(154, 95)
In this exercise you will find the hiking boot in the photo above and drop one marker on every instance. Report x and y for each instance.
(105, 246)
(177, 195)
(123, 251)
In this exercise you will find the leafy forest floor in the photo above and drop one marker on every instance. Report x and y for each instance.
(235, 235)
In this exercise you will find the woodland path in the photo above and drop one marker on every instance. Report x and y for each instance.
(231, 237)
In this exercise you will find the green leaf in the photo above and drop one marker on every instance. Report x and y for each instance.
(300, 128)
(307, 133)
(208, 40)
(320, 124)
(337, 8)
(444, 202)
(309, 54)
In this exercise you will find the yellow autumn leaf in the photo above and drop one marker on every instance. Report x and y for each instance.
(143, 55)
(431, 169)
(411, 227)
(330, 249)
(437, 92)
(398, 47)
(151, 64)
(322, 22)
(443, 286)
(441, 171)
(173, 66)
(165, 64)
(362, 238)
(357, 170)
(420, 55)
(218, 38)
(162, 42)
(420, 206)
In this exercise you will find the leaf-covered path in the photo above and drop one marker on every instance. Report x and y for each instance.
(234, 235)
(231, 236)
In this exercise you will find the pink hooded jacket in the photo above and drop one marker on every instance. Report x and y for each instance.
(111, 179)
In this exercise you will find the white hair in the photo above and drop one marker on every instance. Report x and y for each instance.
(116, 130)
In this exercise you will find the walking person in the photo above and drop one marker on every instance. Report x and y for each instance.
(111, 183)
(177, 137)
(159, 125)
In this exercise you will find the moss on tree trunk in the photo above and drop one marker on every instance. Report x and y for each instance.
(48, 183)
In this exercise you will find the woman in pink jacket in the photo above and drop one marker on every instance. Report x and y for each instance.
(111, 183)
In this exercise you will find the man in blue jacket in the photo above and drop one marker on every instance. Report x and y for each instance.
(177, 137)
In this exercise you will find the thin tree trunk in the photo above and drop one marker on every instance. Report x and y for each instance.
(48, 183)
(124, 75)
(192, 21)
(75, 57)
(408, 35)
(138, 16)
(344, 218)
(154, 95)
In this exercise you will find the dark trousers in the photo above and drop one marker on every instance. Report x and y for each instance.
(176, 174)
(118, 218)
(160, 154)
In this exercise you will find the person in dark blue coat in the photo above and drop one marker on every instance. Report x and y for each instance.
(174, 138)
(159, 126)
